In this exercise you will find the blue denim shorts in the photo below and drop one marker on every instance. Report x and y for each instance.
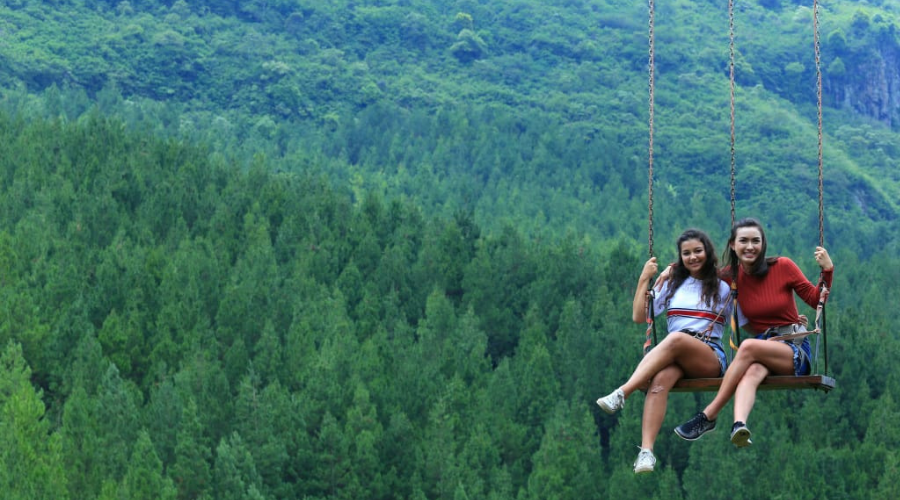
(715, 345)
(801, 354)
(720, 353)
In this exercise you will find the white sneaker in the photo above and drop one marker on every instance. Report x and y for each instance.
(645, 461)
(612, 402)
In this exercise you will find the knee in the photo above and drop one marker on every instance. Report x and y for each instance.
(748, 349)
(663, 381)
(659, 384)
(756, 371)
(674, 340)
(657, 389)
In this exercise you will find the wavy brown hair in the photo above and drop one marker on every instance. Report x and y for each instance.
(709, 275)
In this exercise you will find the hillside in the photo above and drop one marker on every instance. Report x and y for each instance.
(179, 327)
(529, 113)
(385, 249)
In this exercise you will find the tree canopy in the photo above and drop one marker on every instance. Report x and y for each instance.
(387, 248)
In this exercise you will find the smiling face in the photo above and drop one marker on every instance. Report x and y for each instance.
(693, 256)
(748, 245)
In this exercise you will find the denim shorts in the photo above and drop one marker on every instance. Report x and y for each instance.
(715, 345)
(801, 354)
(720, 353)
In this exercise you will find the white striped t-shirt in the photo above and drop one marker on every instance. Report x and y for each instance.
(686, 309)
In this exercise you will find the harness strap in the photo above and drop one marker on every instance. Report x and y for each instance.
(651, 325)
(820, 309)
(734, 325)
(795, 335)
(706, 334)
(820, 316)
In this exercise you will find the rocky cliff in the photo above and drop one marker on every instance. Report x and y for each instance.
(867, 80)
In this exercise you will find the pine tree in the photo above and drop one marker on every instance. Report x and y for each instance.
(144, 479)
(263, 418)
(363, 425)
(191, 470)
(235, 476)
(31, 460)
(534, 371)
(334, 463)
(566, 464)
(117, 417)
(81, 444)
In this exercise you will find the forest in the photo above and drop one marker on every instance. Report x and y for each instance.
(386, 249)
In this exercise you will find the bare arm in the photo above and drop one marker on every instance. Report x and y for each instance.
(808, 291)
(639, 305)
(823, 259)
(663, 278)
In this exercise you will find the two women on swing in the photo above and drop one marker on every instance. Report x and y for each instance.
(696, 298)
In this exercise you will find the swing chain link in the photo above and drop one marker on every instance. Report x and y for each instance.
(731, 79)
(651, 77)
(819, 109)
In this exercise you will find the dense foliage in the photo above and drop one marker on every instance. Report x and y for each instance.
(525, 113)
(386, 248)
(203, 332)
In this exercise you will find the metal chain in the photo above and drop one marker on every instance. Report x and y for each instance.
(823, 289)
(650, 335)
(819, 108)
(651, 65)
(731, 79)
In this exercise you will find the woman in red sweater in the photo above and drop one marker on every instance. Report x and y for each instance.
(766, 288)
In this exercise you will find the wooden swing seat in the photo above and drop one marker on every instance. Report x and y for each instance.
(772, 382)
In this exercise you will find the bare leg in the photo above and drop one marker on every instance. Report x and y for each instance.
(776, 356)
(745, 394)
(693, 356)
(655, 403)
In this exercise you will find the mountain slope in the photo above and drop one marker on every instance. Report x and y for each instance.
(528, 113)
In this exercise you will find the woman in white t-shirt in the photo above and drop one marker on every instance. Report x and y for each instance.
(697, 306)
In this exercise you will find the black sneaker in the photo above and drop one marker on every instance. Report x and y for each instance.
(697, 426)
(740, 435)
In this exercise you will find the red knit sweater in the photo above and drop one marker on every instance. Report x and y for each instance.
(768, 300)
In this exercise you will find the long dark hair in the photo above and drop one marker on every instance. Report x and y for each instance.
(761, 266)
(709, 277)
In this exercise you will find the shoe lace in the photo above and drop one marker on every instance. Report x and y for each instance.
(645, 457)
(697, 422)
(615, 400)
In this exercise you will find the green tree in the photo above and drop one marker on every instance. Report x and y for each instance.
(235, 476)
(500, 406)
(468, 47)
(162, 417)
(81, 444)
(538, 386)
(565, 465)
(117, 416)
(439, 464)
(399, 453)
(468, 348)
(889, 483)
(267, 354)
(334, 464)
(262, 418)
(144, 479)
(366, 432)
(191, 470)
(247, 299)
(481, 469)
(575, 351)
(31, 458)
